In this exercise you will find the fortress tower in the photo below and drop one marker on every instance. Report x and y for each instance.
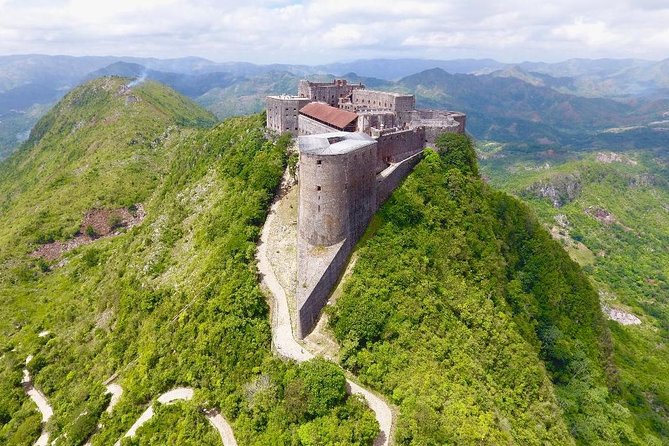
(283, 111)
(337, 200)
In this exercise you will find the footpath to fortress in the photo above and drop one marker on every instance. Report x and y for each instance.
(356, 146)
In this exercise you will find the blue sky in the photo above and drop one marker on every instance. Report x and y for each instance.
(319, 31)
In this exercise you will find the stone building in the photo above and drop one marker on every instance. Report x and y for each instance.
(282, 113)
(356, 146)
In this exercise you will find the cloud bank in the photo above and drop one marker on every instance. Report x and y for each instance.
(317, 31)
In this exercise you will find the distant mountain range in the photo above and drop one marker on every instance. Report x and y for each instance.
(576, 103)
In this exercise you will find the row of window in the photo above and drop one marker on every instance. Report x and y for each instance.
(358, 101)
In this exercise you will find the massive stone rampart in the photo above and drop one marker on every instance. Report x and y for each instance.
(383, 100)
(318, 271)
(396, 146)
(391, 178)
(328, 92)
(339, 193)
(282, 113)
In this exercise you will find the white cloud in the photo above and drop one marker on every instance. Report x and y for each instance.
(312, 31)
(590, 33)
(435, 39)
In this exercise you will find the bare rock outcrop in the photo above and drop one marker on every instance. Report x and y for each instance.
(559, 189)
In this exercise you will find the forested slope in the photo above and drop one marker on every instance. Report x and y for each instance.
(466, 314)
(614, 223)
(171, 301)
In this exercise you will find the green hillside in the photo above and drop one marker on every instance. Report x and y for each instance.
(128, 226)
(615, 225)
(170, 300)
(468, 316)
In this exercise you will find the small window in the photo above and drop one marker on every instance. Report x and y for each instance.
(318, 188)
(319, 162)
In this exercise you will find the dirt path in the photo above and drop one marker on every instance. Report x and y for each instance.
(222, 426)
(116, 391)
(42, 404)
(287, 346)
(185, 394)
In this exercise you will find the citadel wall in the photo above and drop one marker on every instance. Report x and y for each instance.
(395, 146)
(436, 122)
(344, 177)
(382, 100)
(337, 190)
(377, 119)
(337, 200)
(390, 179)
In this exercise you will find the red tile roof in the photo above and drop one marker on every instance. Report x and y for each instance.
(329, 115)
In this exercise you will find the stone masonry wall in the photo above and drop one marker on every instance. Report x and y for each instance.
(311, 300)
(381, 100)
(387, 183)
(323, 208)
(282, 113)
(328, 92)
(310, 126)
(394, 147)
(377, 120)
(337, 201)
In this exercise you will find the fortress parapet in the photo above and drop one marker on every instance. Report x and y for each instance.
(327, 92)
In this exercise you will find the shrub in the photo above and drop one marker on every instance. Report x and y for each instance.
(458, 151)
(324, 385)
(90, 231)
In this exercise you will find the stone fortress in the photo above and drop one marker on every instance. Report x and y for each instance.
(355, 146)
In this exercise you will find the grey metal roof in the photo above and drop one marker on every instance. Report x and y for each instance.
(335, 143)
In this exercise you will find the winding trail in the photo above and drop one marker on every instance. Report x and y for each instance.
(287, 346)
(41, 401)
(185, 394)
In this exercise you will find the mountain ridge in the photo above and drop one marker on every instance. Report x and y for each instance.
(220, 86)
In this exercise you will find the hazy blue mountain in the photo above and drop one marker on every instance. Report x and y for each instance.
(511, 110)
(609, 77)
(394, 69)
